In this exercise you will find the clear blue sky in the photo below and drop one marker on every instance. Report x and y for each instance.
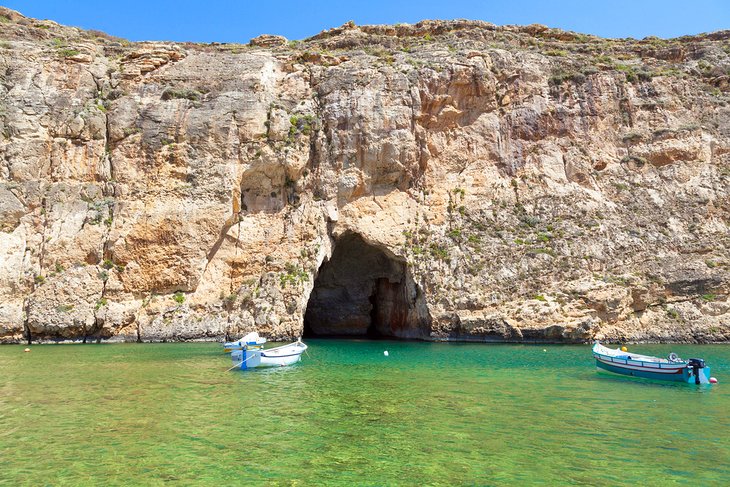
(239, 21)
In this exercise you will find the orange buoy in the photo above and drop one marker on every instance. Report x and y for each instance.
(624, 349)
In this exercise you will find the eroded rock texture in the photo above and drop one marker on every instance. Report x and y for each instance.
(444, 180)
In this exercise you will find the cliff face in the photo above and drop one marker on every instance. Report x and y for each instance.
(441, 180)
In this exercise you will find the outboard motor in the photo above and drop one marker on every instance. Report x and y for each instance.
(696, 364)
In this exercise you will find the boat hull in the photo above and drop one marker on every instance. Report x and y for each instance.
(649, 367)
(681, 376)
(273, 357)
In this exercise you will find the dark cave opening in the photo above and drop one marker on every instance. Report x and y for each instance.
(362, 291)
(372, 331)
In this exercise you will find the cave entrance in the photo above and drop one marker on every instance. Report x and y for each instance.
(364, 292)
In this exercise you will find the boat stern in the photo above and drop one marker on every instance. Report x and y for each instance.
(698, 372)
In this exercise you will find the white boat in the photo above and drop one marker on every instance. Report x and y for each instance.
(248, 357)
(251, 340)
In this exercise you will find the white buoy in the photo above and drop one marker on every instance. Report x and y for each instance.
(385, 353)
(27, 350)
(544, 350)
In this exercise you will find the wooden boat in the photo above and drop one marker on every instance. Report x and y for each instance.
(672, 368)
(255, 356)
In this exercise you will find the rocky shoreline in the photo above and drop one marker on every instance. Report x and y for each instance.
(448, 180)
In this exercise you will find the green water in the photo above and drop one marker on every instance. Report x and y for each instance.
(429, 414)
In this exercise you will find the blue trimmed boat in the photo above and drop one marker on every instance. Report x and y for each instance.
(252, 340)
(253, 357)
(671, 368)
(249, 353)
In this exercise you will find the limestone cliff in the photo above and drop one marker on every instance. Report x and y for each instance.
(444, 180)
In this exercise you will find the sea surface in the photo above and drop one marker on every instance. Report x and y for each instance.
(427, 414)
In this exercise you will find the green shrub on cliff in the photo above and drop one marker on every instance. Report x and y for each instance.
(186, 94)
(634, 75)
(439, 251)
(560, 76)
(68, 52)
(294, 275)
(672, 313)
(301, 125)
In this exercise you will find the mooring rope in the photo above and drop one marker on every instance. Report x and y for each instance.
(240, 363)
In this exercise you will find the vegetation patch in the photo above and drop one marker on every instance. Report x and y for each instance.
(639, 161)
(439, 251)
(66, 52)
(303, 124)
(294, 275)
(633, 74)
(530, 220)
(672, 313)
(542, 250)
(560, 76)
(185, 94)
(632, 138)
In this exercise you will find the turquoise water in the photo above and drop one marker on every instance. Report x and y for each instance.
(429, 414)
